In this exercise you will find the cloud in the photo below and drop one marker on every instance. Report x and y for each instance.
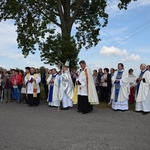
(132, 57)
(113, 51)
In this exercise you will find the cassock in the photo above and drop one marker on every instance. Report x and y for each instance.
(87, 95)
(33, 88)
(53, 97)
(120, 90)
(143, 93)
(68, 89)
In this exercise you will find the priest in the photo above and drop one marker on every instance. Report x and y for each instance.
(68, 87)
(120, 89)
(143, 90)
(32, 81)
(87, 95)
(53, 95)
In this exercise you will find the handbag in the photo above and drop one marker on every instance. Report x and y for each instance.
(23, 90)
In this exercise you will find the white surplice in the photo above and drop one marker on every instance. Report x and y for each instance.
(55, 96)
(87, 90)
(30, 85)
(143, 96)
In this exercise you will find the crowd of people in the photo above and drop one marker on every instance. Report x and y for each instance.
(64, 88)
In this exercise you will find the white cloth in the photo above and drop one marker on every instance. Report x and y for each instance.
(55, 96)
(87, 90)
(60, 89)
(30, 85)
(143, 96)
(103, 78)
(68, 89)
(82, 89)
(55, 103)
(66, 102)
(120, 105)
(67, 84)
(132, 80)
(123, 96)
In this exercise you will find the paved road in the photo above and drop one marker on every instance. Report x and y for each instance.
(45, 128)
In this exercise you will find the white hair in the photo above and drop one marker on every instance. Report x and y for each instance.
(144, 65)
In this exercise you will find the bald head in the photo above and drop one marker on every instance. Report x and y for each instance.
(143, 66)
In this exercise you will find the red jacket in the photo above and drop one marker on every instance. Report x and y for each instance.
(18, 78)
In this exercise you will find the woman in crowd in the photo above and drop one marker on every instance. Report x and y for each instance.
(6, 84)
(106, 85)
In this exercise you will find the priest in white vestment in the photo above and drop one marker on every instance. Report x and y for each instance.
(32, 81)
(143, 90)
(120, 89)
(68, 87)
(53, 96)
(87, 95)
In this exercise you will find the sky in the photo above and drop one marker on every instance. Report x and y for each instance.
(125, 39)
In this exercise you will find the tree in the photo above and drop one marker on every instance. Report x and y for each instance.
(36, 22)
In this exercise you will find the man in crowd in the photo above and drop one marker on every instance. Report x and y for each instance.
(143, 90)
(148, 67)
(1, 79)
(53, 96)
(32, 81)
(120, 89)
(44, 78)
(87, 95)
(6, 84)
(99, 75)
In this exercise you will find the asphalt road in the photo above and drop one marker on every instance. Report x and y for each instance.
(46, 128)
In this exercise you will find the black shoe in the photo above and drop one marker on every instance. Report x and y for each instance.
(64, 108)
(145, 113)
(85, 112)
(115, 109)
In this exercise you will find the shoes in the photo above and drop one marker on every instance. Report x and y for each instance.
(24, 102)
(64, 108)
(123, 110)
(85, 112)
(115, 109)
(6, 102)
(145, 113)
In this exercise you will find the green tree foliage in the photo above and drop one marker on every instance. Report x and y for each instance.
(36, 22)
